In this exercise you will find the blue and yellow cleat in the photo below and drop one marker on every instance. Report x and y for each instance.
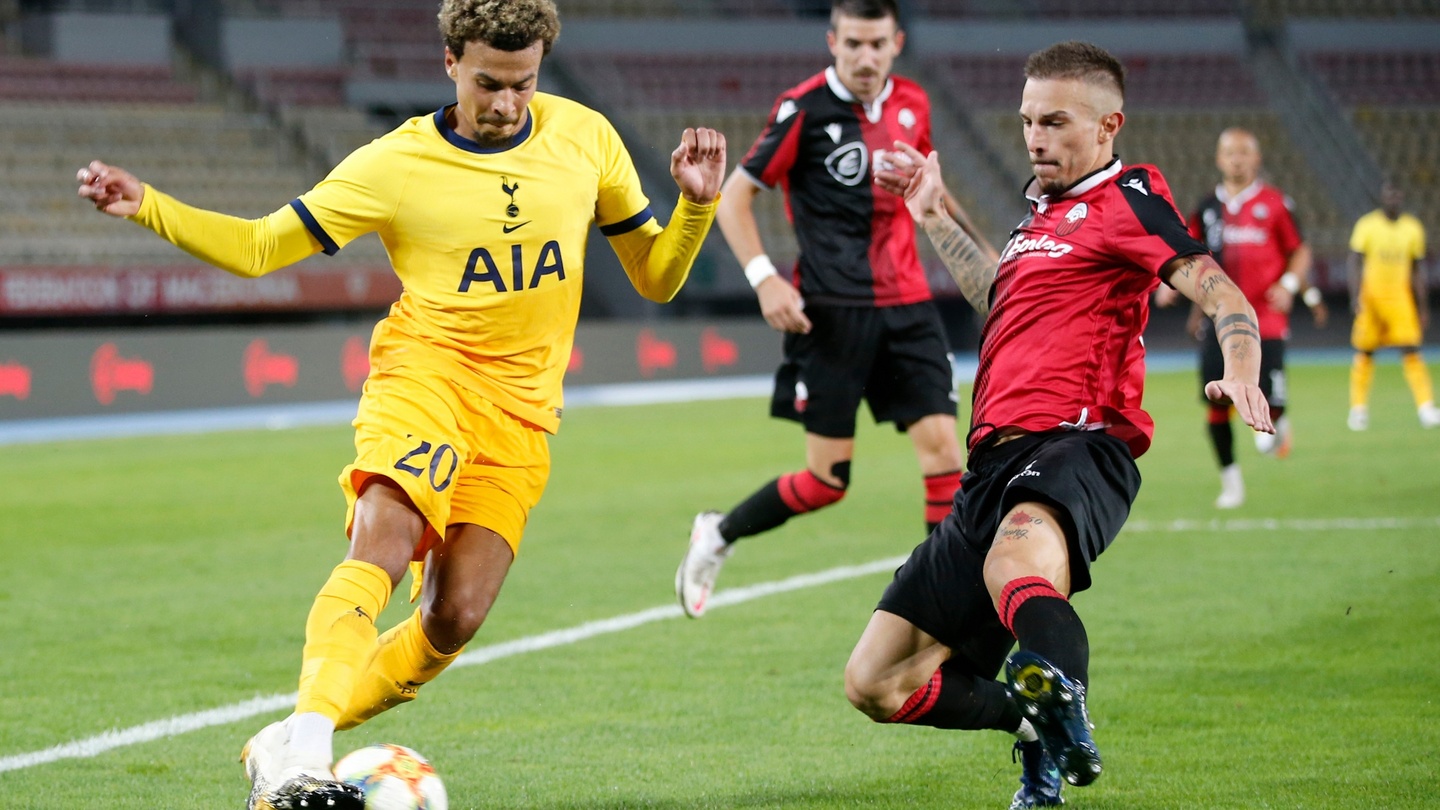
(1055, 706)
(1039, 778)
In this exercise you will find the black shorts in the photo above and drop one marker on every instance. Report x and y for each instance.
(1272, 366)
(895, 358)
(1088, 477)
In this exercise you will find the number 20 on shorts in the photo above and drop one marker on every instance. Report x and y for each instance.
(443, 458)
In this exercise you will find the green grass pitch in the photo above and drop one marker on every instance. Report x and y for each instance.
(1244, 665)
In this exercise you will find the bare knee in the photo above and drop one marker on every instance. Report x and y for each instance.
(449, 624)
(876, 696)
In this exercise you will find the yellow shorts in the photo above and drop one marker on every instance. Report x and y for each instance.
(459, 457)
(1385, 322)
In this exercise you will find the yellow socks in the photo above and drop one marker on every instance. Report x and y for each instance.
(400, 663)
(1362, 372)
(339, 634)
(1417, 377)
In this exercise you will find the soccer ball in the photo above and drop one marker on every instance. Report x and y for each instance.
(393, 777)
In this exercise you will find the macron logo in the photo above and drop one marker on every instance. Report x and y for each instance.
(787, 109)
(1137, 184)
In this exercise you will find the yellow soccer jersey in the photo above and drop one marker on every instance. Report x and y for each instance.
(489, 243)
(1390, 248)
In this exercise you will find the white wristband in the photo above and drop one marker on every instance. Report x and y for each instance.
(759, 269)
(1312, 297)
(1290, 282)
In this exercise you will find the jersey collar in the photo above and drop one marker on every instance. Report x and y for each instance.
(1084, 185)
(461, 142)
(873, 109)
(1235, 203)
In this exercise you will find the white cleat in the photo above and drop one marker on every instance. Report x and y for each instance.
(1429, 415)
(263, 758)
(276, 783)
(1359, 418)
(695, 578)
(1232, 488)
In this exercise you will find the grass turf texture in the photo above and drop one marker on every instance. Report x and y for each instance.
(1231, 669)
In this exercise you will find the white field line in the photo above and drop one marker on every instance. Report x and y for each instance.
(180, 724)
(1284, 524)
(174, 726)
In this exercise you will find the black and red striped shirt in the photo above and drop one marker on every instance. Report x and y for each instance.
(1062, 346)
(857, 244)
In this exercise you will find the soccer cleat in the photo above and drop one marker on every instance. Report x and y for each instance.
(263, 758)
(695, 578)
(1039, 778)
(1055, 706)
(1232, 488)
(309, 792)
(278, 785)
(1359, 418)
(1429, 415)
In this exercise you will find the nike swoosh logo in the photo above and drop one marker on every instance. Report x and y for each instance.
(512, 228)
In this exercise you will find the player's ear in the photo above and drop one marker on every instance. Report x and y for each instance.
(899, 41)
(450, 62)
(1110, 124)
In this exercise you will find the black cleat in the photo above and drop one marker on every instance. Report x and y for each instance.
(1055, 706)
(310, 793)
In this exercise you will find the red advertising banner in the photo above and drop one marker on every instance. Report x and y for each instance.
(49, 291)
(89, 372)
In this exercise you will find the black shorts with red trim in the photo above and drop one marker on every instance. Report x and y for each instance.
(1272, 366)
(894, 358)
(1088, 477)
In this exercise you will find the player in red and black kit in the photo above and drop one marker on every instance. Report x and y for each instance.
(859, 321)
(1249, 225)
(1056, 428)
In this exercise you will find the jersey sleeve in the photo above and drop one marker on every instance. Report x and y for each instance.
(1359, 235)
(774, 152)
(358, 196)
(1146, 229)
(924, 144)
(1419, 247)
(1287, 228)
(620, 205)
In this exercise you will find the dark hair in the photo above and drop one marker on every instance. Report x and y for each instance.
(505, 25)
(1077, 60)
(865, 10)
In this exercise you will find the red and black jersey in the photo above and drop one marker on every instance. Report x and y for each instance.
(1252, 235)
(1062, 346)
(857, 244)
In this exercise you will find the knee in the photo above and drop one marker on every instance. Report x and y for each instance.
(871, 695)
(450, 624)
(806, 492)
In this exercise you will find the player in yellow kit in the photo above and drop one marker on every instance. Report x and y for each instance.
(484, 209)
(1387, 293)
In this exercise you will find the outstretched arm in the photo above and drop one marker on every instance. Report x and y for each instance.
(972, 268)
(658, 262)
(1201, 280)
(245, 247)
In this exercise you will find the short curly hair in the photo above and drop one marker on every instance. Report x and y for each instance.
(506, 25)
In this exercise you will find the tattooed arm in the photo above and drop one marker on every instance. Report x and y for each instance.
(1201, 280)
(972, 267)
